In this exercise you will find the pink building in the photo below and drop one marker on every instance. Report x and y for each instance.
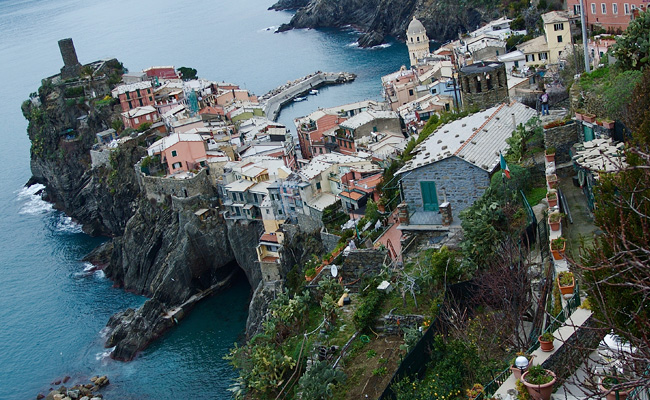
(139, 94)
(140, 115)
(613, 15)
(167, 72)
(181, 151)
(231, 95)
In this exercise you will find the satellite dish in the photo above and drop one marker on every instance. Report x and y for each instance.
(334, 270)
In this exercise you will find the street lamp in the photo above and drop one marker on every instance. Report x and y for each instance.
(521, 362)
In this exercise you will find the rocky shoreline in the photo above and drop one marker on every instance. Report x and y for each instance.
(86, 391)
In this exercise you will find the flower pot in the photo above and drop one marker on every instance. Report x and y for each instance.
(578, 116)
(591, 118)
(544, 345)
(552, 181)
(309, 278)
(567, 289)
(550, 157)
(381, 207)
(555, 226)
(552, 202)
(611, 395)
(539, 392)
(608, 124)
(516, 372)
(558, 254)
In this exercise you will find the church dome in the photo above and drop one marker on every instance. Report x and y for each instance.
(415, 27)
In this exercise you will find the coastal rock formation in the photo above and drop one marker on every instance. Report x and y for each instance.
(443, 19)
(288, 5)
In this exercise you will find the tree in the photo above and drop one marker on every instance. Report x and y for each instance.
(187, 73)
(632, 49)
(319, 381)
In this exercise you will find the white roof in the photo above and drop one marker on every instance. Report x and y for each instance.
(139, 111)
(512, 56)
(315, 167)
(167, 142)
(477, 138)
(367, 116)
(555, 17)
(131, 87)
(239, 186)
(261, 187)
(321, 202)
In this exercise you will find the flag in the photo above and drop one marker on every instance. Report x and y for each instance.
(504, 166)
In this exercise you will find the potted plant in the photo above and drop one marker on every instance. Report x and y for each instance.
(552, 180)
(551, 198)
(310, 274)
(557, 248)
(566, 282)
(516, 370)
(579, 114)
(550, 154)
(591, 118)
(381, 204)
(546, 341)
(474, 391)
(554, 219)
(539, 382)
(608, 124)
(608, 383)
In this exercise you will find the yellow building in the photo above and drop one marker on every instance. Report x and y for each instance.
(557, 29)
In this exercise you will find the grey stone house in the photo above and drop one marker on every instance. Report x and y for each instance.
(454, 165)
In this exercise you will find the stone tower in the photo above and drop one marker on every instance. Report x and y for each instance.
(484, 84)
(416, 41)
(71, 66)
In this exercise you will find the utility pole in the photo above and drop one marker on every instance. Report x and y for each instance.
(583, 22)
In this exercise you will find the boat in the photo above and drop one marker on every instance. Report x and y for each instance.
(313, 91)
(300, 99)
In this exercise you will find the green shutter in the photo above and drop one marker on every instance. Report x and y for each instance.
(589, 133)
(429, 196)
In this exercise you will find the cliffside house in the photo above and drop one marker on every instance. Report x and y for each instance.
(139, 94)
(140, 115)
(181, 152)
(359, 129)
(357, 190)
(454, 165)
(611, 15)
(107, 136)
(162, 73)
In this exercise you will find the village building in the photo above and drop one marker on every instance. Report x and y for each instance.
(558, 33)
(358, 130)
(182, 152)
(162, 73)
(400, 87)
(138, 116)
(139, 94)
(612, 15)
(452, 168)
(357, 190)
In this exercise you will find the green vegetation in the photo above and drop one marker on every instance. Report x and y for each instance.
(369, 309)
(319, 382)
(537, 375)
(187, 73)
(334, 217)
(632, 49)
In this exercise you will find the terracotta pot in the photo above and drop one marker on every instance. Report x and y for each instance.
(550, 157)
(545, 346)
(578, 116)
(552, 181)
(608, 125)
(539, 392)
(381, 207)
(516, 372)
(611, 395)
(552, 202)
(591, 118)
(309, 278)
(555, 226)
(567, 289)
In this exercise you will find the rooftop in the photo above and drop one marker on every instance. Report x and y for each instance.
(481, 66)
(168, 141)
(322, 201)
(534, 45)
(132, 87)
(477, 138)
(239, 186)
(555, 17)
(139, 111)
(367, 116)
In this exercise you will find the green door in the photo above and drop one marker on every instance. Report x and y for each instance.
(589, 133)
(429, 196)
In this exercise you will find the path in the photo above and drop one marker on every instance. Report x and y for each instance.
(394, 236)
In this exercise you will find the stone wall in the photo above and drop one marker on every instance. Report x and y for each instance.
(462, 182)
(309, 223)
(158, 188)
(573, 351)
(358, 263)
(562, 138)
(329, 240)
(483, 86)
(599, 131)
(100, 158)
(393, 324)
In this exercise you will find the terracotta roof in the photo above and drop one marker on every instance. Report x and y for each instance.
(351, 195)
(269, 237)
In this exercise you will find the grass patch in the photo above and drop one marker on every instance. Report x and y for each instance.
(535, 195)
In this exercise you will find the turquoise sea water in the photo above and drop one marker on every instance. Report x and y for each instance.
(51, 310)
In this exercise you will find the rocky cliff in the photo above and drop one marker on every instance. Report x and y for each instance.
(443, 19)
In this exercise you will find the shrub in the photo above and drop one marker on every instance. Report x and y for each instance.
(537, 375)
(368, 311)
(320, 380)
(547, 337)
(565, 278)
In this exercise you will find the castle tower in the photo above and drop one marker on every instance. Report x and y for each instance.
(484, 84)
(71, 66)
(416, 41)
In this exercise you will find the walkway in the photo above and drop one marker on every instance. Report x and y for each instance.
(393, 235)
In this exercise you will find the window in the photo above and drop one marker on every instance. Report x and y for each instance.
(317, 185)
(241, 196)
(576, 9)
(174, 153)
(614, 8)
(603, 8)
(128, 95)
(633, 6)
(149, 91)
(626, 7)
(593, 8)
(559, 27)
(417, 39)
(137, 91)
(148, 117)
(137, 121)
(410, 92)
(176, 165)
(543, 56)
(130, 105)
(559, 38)
(267, 211)
(530, 57)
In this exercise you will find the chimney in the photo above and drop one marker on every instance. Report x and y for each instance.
(514, 121)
